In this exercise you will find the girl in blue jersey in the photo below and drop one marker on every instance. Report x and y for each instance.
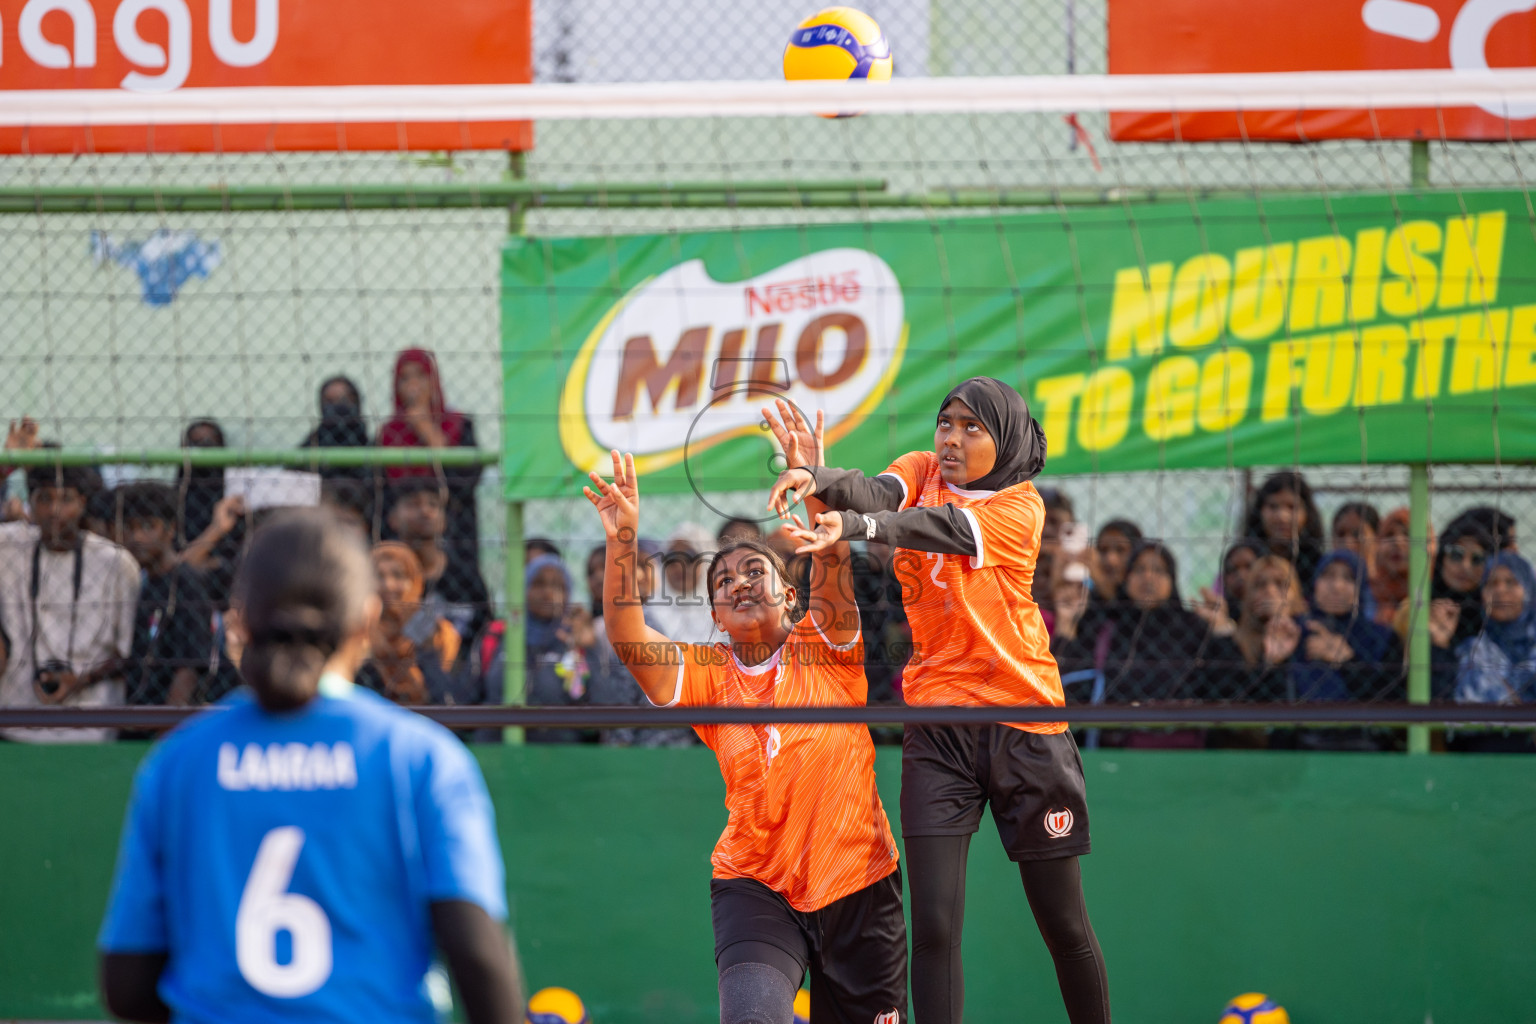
(295, 853)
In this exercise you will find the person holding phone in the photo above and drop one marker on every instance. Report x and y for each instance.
(967, 524)
(415, 649)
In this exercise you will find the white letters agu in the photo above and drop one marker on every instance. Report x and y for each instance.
(173, 61)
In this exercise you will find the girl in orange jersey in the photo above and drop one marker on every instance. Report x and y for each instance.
(967, 522)
(805, 874)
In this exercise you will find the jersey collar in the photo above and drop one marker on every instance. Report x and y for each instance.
(969, 495)
(758, 669)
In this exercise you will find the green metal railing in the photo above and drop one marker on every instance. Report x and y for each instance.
(291, 458)
(829, 194)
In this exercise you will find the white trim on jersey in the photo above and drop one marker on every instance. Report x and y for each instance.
(677, 687)
(979, 559)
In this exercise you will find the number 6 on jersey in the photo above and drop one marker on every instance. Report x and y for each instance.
(267, 908)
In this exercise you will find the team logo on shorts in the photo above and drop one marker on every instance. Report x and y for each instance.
(773, 744)
(1058, 823)
(888, 1017)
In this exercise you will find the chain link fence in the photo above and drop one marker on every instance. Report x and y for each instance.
(146, 330)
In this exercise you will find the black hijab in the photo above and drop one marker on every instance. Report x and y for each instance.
(341, 423)
(1152, 652)
(1019, 439)
(1470, 622)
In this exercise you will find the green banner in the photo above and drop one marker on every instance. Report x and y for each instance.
(1297, 329)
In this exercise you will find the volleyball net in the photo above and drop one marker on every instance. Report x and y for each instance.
(1197, 281)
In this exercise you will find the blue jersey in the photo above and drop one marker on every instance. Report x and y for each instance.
(286, 862)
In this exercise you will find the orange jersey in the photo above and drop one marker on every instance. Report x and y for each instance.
(805, 818)
(977, 635)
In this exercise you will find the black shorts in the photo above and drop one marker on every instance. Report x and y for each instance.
(855, 948)
(1033, 782)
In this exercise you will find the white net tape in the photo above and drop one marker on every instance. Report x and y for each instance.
(1319, 90)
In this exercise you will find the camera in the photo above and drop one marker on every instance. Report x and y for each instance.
(46, 677)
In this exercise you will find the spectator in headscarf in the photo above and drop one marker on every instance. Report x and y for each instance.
(1344, 653)
(559, 638)
(1148, 645)
(1455, 612)
(415, 650)
(341, 426)
(1498, 666)
(422, 419)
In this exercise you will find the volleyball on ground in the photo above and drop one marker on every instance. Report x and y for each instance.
(803, 1007)
(556, 1006)
(838, 42)
(1254, 1008)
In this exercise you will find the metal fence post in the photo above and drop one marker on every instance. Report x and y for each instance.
(514, 659)
(514, 652)
(1418, 593)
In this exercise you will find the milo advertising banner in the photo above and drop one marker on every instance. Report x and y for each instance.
(1305, 329)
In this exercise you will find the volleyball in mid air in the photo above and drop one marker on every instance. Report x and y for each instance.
(1254, 1008)
(556, 1006)
(802, 1007)
(837, 43)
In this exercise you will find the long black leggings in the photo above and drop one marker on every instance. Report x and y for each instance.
(936, 882)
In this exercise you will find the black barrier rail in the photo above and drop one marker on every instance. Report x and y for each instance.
(465, 717)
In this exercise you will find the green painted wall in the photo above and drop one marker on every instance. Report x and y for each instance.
(1351, 888)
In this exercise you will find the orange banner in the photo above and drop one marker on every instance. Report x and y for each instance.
(1197, 36)
(154, 46)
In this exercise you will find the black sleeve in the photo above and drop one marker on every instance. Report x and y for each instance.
(480, 962)
(943, 529)
(841, 489)
(129, 983)
(462, 479)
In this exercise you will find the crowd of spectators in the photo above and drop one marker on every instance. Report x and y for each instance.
(121, 596)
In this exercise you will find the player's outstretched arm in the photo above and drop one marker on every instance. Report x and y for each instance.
(807, 473)
(943, 529)
(838, 489)
(129, 984)
(831, 605)
(481, 962)
(649, 656)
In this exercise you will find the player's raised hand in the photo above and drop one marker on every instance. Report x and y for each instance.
(825, 530)
(797, 480)
(618, 503)
(802, 445)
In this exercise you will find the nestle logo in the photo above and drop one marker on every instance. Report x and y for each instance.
(803, 293)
